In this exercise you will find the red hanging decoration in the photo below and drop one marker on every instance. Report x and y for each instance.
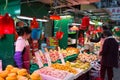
(85, 23)
(91, 28)
(59, 35)
(88, 33)
(8, 24)
(99, 29)
(95, 32)
(1, 28)
(34, 23)
(81, 39)
(55, 17)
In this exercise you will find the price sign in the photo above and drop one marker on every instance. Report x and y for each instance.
(48, 58)
(61, 56)
(39, 60)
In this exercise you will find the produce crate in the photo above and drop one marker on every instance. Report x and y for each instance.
(72, 57)
(68, 58)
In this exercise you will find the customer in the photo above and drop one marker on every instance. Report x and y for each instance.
(109, 55)
(22, 48)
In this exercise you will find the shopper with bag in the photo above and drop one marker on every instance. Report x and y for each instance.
(109, 54)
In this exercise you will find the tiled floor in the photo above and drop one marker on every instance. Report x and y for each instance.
(116, 74)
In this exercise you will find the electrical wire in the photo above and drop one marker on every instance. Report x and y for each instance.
(6, 4)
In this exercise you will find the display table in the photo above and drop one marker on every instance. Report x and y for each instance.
(84, 75)
(49, 73)
(56, 74)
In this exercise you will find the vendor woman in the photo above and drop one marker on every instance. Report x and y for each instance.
(22, 48)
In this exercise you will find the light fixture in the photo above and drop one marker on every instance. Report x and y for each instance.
(93, 23)
(28, 18)
(66, 16)
(93, 1)
(74, 28)
(75, 24)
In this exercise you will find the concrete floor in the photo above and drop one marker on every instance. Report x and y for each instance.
(116, 74)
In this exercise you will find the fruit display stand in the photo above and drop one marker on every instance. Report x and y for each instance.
(67, 54)
(62, 72)
(82, 74)
(76, 64)
(49, 73)
(34, 66)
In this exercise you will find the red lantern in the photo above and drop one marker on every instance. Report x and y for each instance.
(82, 27)
(55, 17)
(34, 23)
(85, 21)
(1, 28)
(59, 35)
(8, 24)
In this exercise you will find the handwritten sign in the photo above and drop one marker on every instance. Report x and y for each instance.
(48, 58)
(61, 56)
(39, 60)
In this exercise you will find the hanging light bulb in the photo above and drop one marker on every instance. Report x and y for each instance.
(74, 28)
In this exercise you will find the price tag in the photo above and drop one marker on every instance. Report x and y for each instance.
(39, 60)
(61, 56)
(48, 58)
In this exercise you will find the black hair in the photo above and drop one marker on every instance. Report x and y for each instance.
(105, 27)
(22, 30)
(107, 33)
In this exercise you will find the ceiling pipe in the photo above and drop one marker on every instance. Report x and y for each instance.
(61, 6)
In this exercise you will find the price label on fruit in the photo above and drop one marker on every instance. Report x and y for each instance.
(61, 56)
(39, 61)
(48, 58)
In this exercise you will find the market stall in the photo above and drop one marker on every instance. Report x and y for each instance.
(67, 64)
(63, 46)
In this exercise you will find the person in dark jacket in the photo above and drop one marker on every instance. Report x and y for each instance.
(109, 54)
